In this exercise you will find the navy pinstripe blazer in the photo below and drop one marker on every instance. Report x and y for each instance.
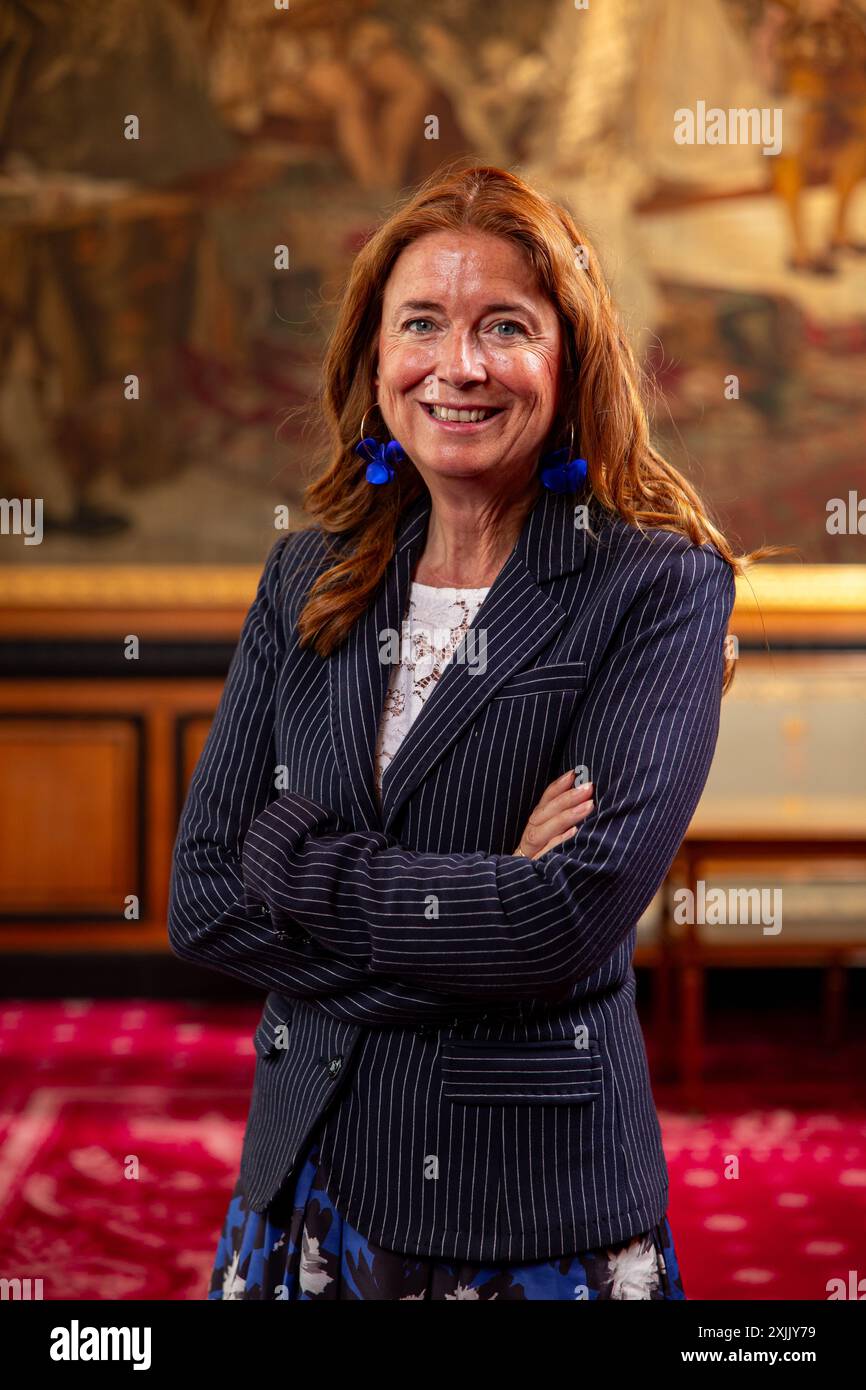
(457, 1024)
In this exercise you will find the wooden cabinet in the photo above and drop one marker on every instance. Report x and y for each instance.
(93, 773)
(73, 790)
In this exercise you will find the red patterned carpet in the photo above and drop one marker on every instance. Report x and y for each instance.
(121, 1126)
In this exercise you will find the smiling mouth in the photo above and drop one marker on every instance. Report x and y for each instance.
(475, 416)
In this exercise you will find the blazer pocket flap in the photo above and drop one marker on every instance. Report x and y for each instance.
(271, 1035)
(538, 1073)
(545, 680)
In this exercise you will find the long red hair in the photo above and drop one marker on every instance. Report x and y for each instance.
(602, 395)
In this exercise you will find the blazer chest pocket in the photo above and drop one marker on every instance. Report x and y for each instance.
(271, 1038)
(545, 680)
(551, 1072)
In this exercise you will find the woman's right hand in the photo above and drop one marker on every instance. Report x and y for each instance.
(557, 816)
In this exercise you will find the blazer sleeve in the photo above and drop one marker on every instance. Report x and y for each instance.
(212, 918)
(489, 925)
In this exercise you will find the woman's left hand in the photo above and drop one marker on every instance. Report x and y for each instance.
(556, 817)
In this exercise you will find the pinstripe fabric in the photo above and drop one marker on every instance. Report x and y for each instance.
(460, 1023)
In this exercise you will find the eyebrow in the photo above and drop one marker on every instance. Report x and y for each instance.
(499, 308)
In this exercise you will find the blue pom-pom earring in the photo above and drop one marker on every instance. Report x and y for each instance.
(562, 473)
(381, 458)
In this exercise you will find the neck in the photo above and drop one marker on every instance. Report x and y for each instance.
(470, 537)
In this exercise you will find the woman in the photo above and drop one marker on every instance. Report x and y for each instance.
(435, 859)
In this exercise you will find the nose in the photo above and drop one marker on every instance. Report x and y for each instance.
(461, 360)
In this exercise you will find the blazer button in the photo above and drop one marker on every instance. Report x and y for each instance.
(333, 1065)
(306, 940)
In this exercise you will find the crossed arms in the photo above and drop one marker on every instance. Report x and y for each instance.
(394, 935)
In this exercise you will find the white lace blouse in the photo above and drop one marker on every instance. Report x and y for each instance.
(436, 621)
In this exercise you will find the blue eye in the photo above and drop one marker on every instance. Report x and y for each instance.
(409, 322)
(509, 323)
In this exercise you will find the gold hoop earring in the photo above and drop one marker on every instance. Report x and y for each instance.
(364, 416)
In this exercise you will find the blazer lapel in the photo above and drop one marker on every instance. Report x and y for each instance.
(513, 623)
(359, 674)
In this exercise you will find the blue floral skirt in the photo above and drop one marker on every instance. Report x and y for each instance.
(318, 1255)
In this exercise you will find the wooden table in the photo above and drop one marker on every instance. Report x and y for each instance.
(684, 953)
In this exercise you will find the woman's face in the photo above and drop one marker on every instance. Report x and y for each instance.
(464, 326)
